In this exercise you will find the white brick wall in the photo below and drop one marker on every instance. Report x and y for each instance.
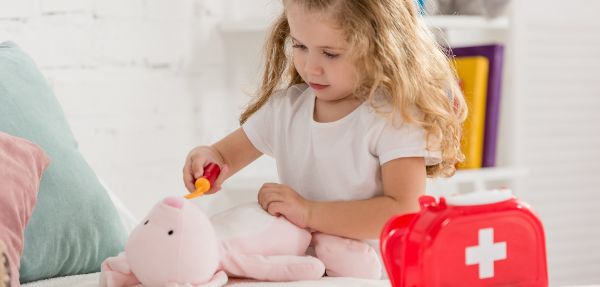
(16, 10)
(141, 81)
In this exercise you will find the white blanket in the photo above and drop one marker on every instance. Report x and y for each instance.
(85, 280)
(91, 280)
(325, 281)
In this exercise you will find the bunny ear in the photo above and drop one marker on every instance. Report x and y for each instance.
(174, 201)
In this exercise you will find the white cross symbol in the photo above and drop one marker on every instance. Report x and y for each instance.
(485, 253)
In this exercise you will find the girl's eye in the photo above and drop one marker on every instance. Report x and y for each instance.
(330, 55)
(299, 46)
(327, 54)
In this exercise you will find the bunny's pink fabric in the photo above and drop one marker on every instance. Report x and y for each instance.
(177, 245)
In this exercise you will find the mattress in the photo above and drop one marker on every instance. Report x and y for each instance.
(91, 280)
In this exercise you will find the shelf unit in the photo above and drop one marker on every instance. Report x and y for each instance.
(473, 30)
(475, 179)
(466, 22)
(444, 22)
(477, 27)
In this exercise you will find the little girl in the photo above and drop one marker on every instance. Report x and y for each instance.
(358, 105)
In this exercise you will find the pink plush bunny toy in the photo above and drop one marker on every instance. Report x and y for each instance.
(177, 245)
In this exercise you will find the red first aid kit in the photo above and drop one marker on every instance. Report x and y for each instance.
(486, 238)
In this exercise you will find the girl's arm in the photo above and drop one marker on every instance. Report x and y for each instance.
(233, 152)
(403, 183)
(236, 151)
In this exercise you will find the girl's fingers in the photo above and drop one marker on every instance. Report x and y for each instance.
(188, 179)
(267, 196)
(275, 208)
(261, 198)
(224, 173)
(189, 182)
(219, 181)
(197, 167)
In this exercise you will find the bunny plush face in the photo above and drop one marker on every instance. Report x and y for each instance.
(175, 242)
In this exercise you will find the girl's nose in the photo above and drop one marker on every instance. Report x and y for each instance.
(312, 66)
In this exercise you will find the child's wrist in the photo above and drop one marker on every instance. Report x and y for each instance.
(310, 206)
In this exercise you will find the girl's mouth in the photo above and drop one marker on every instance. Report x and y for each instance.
(318, 86)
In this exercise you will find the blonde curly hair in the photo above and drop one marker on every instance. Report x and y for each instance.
(399, 58)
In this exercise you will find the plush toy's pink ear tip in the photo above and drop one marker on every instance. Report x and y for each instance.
(173, 201)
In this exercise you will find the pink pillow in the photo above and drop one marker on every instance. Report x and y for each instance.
(21, 166)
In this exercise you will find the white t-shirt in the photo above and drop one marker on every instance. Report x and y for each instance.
(331, 161)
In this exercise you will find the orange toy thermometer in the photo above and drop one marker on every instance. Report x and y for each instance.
(204, 183)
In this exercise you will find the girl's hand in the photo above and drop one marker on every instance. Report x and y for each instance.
(279, 199)
(195, 162)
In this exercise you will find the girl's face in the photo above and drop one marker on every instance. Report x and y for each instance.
(320, 53)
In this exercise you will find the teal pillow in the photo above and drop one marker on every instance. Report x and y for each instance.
(74, 225)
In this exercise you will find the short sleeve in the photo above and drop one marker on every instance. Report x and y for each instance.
(407, 140)
(259, 127)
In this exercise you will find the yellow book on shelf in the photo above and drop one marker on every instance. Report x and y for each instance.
(473, 76)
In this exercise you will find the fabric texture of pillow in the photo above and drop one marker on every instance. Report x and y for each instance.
(74, 225)
(21, 166)
(129, 221)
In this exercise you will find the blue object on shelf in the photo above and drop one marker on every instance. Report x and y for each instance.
(421, 4)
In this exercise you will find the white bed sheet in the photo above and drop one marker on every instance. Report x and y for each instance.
(85, 280)
(91, 280)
